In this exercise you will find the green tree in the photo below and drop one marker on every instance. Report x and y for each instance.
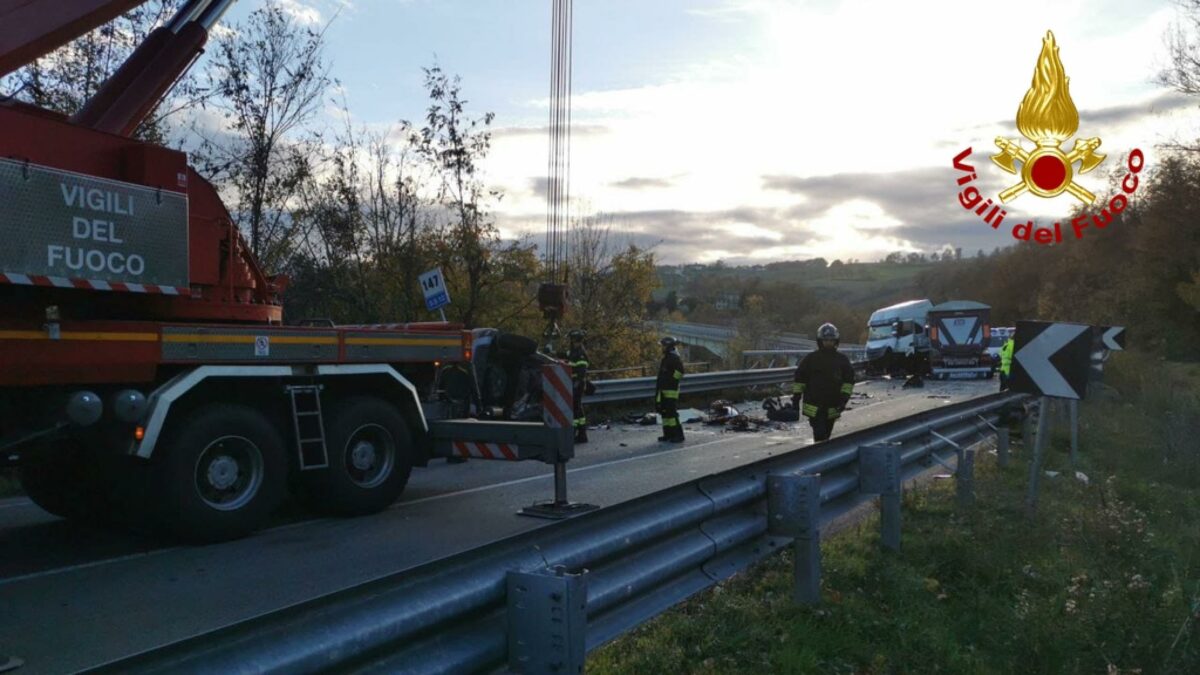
(611, 285)
(487, 279)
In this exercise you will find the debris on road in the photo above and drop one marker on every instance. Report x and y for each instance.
(780, 411)
(644, 419)
(720, 412)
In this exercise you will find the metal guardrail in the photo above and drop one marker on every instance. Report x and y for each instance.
(693, 366)
(634, 388)
(636, 559)
(856, 353)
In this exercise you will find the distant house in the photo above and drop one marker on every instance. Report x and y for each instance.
(727, 301)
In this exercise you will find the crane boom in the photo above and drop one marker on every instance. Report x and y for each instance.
(132, 93)
(34, 28)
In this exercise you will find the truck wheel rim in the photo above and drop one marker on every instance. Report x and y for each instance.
(229, 473)
(370, 455)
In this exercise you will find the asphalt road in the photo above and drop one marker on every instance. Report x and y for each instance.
(71, 597)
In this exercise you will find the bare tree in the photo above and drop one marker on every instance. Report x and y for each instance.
(268, 79)
(1182, 72)
(611, 285)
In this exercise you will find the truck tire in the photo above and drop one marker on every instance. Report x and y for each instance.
(221, 473)
(517, 344)
(370, 459)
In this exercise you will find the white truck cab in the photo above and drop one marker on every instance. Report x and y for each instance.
(896, 333)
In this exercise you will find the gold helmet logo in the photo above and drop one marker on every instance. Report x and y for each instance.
(1048, 117)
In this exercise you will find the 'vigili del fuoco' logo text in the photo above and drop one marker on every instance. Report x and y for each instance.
(1048, 118)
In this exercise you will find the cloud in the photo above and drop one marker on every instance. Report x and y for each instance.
(302, 12)
(1111, 116)
(748, 234)
(761, 153)
(638, 183)
(544, 131)
(1122, 114)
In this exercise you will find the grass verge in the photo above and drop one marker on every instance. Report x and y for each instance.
(1106, 579)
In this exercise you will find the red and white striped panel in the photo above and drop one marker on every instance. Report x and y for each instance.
(486, 450)
(90, 284)
(557, 401)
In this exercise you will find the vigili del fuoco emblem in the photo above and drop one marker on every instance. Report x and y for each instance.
(1048, 117)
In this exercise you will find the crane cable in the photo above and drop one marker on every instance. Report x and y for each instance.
(558, 163)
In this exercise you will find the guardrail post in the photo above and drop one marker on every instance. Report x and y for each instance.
(964, 477)
(1074, 411)
(794, 510)
(1027, 432)
(879, 473)
(547, 621)
(1035, 462)
(1002, 447)
(964, 473)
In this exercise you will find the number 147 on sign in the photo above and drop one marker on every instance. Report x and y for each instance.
(434, 288)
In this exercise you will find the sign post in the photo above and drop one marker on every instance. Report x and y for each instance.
(433, 285)
(1050, 360)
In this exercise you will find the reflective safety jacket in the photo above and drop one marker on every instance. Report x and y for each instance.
(1006, 354)
(577, 358)
(670, 373)
(825, 380)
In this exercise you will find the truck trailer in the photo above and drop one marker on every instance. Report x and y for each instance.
(146, 374)
(959, 331)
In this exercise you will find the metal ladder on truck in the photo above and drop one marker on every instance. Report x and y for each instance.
(309, 426)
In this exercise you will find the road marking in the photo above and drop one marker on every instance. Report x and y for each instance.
(80, 566)
(446, 495)
(491, 486)
(548, 476)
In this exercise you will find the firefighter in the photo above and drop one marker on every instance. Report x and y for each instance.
(1006, 356)
(578, 360)
(824, 381)
(666, 394)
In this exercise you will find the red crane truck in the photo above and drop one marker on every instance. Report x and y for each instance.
(145, 371)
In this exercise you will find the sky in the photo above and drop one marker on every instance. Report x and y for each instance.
(753, 131)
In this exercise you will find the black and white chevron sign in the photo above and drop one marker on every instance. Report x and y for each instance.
(1112, 338)
(1051, 359)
